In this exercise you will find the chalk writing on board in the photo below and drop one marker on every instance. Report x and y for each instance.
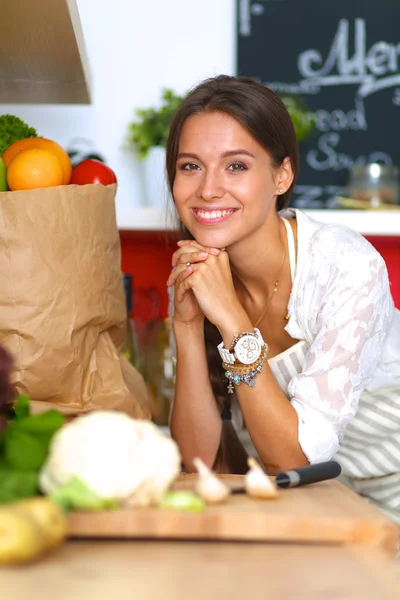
(362, 69)
(369, 70)
(349, 125)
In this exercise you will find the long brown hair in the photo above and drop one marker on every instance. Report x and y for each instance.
(263, 114)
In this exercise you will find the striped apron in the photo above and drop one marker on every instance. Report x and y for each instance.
(370, 450)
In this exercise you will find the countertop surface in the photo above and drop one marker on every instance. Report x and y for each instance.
(143, 570)
(352, 557)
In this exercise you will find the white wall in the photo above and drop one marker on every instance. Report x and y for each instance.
(135, 47)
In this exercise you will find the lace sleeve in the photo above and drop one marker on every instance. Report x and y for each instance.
(352, 320)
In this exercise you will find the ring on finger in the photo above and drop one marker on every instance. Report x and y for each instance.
(188, 264)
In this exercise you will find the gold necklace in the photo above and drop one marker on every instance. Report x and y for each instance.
(274, 290)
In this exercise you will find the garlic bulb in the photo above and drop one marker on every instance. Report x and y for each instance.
(257, 483)
(211, 489)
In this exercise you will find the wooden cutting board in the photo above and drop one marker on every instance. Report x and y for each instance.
(326, 512)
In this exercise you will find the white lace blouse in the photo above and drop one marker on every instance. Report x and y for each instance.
(342, 310)
(342, 307)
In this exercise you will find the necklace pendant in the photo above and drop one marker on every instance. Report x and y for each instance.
(230, 388)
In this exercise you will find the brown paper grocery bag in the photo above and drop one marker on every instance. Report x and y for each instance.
(62, 304)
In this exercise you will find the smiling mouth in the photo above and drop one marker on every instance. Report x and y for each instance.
(212, 215)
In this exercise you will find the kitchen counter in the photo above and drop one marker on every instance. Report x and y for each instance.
(145, 570)
(320, 541)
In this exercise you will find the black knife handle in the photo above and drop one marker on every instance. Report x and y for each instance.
(309, 474)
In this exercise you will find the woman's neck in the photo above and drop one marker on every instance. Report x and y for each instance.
(256, 259)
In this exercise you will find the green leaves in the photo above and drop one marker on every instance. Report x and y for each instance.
(76, 494)
(15, 485)
(12, 129)
(21, 408)
(27, 437)
(182, 500)
(303, 119)
(23, 450)
(151, 127)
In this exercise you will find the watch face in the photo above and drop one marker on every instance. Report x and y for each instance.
(248, 349)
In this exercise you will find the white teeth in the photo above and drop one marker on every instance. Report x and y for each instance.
(213, 214)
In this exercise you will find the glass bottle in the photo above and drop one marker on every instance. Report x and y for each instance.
(160, 370)
(375, 184)
(131, 348)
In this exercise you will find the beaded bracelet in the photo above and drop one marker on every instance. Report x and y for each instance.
(245, 373)
(240, 369)
(238, 379)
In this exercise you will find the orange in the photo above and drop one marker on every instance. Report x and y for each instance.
(34, 168)
(44, 144)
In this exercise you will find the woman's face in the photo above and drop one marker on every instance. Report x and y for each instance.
(225, 184)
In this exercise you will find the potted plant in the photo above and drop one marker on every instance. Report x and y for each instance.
(147, 138)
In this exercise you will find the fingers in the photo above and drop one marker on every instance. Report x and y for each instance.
(182, 286)
(189, 257)
(180, 276)
(186, 256)
(191, 247)
(180, 269)
(186, 243)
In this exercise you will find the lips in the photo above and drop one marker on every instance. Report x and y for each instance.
(212, 216)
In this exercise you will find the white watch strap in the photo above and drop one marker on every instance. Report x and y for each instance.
(226, 356)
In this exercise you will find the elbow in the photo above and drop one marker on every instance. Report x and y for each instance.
(189, 451)
(291, 459)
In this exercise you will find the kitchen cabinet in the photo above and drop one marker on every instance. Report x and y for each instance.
(42, 53)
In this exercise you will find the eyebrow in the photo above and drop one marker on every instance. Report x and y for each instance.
(223, 155)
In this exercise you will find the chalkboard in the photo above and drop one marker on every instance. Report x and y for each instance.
(342, 57)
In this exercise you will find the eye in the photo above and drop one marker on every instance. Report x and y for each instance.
(237, 166)
(188, 166)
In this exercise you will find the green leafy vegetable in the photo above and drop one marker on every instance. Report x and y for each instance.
(12, 129)
(76, 494)
(27, 438)
(24, 445)
(3, 176)
(21, 408)
(182, 500)
(17, 484)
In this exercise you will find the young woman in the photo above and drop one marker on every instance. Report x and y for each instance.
(292, 318)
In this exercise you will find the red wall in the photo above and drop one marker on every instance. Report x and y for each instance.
(147, 256)
(389, 248)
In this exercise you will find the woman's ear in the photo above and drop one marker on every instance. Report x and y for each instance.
(284, 176)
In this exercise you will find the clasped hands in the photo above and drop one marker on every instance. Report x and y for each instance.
(204, 288)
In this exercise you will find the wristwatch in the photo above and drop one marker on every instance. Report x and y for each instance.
(246, 348)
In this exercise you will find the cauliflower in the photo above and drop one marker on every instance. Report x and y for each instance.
(115, 456)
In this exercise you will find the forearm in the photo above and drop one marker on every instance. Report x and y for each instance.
(272, 422)
(270, 419)
(195, 420)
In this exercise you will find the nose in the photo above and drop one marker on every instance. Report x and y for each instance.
(211, 185)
